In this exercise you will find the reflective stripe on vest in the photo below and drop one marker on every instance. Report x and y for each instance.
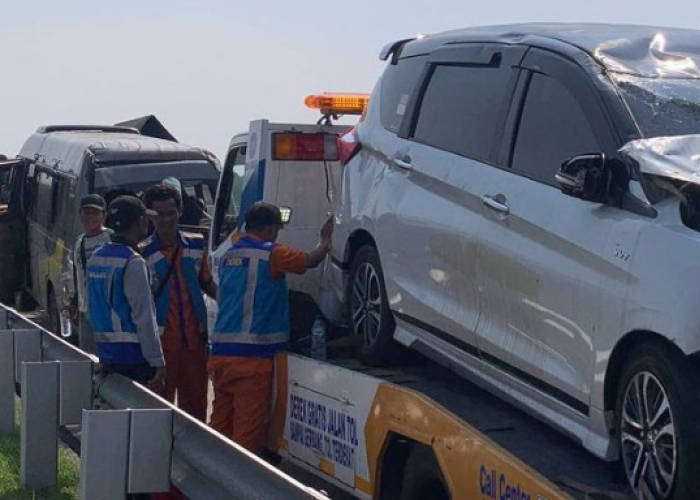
(110, 313)
(192, 253)
(253, 315)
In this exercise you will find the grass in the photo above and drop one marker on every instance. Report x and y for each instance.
(10, 488)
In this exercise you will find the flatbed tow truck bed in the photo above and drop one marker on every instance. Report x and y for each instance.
(545, 450)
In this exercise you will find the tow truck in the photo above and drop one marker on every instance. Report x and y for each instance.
(407, 433)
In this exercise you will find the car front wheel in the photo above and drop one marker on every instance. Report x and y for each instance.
(658, 422)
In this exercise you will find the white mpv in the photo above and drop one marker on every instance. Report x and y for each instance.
(522, 204)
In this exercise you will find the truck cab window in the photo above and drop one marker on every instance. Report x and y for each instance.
(228, 205)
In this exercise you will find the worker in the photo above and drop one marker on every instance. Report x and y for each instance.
(252, 323)
(180, 272)
(122, 312)
(92, 217)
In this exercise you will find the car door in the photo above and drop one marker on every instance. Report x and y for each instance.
(454, 126)
(543, 250)
(12, 228)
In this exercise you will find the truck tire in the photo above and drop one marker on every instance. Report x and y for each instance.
(658, 423)
(368, 309)
(422, 478)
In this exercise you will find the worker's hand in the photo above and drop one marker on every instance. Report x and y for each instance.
(73, 311)
(326, 232)
(157, 383)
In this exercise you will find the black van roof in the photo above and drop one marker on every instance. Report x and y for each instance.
(640, 50)
(69, 146)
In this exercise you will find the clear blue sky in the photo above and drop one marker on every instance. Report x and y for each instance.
(206, 68)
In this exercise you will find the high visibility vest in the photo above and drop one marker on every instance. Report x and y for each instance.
(192, 253)
(110, 313)
(253, 316)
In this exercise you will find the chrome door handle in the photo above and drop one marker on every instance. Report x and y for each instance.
(497, 203)
(405, 164)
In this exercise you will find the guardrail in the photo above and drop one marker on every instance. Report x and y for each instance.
(136, 443)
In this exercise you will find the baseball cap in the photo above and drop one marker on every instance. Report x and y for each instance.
(125, 210)
(93, 201)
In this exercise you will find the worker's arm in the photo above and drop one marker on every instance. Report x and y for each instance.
(143, 312)
(319, 253)
(206, 280)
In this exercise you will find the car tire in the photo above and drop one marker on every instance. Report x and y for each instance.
(368, 309)
(422, 478)
(660, 439)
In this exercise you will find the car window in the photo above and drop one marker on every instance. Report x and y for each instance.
(228, 206)
(398, 83)
(459, 111)
(553, 128)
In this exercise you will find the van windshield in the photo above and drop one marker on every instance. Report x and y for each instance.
(198, 181)
(662, 106)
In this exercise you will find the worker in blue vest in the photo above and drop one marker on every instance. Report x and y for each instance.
(122, 312)
(180, 273)
(252, 323)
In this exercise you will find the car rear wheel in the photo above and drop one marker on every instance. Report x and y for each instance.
(658, 422)
(369, 313)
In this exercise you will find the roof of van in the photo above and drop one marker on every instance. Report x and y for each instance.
(69, 147)
(640, 50)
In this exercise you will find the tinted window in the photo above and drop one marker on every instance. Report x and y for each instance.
(553, 128)
(460, 110)
(234, 178)
(43, 202)
(398, 83)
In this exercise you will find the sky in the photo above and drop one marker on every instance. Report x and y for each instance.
(207, 68)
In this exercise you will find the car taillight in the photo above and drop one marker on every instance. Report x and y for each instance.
(298, 146)
(348, 146)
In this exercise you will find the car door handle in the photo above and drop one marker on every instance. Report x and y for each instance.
(498, 203)
(404, 163)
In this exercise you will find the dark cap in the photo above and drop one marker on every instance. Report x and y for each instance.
(124, 211)
(93, 201)
(262, 214)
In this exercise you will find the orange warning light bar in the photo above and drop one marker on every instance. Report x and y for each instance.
(339, 104)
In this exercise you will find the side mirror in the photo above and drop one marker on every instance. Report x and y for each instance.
(585, 176)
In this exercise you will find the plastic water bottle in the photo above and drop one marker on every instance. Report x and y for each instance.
(66, 326)
(318, 338)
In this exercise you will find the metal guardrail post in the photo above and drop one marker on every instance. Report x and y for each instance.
(75, 391)
(39, 434)
(7, 381)
(27, 349)
(103, 474)
(150, 445)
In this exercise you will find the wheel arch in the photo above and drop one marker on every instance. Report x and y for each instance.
(357, 240)
(620, 354)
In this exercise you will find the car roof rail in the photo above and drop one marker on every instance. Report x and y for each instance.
(47, 129)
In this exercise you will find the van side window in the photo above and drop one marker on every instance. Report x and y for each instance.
(460, 109)
(553, 128)
(397, 86)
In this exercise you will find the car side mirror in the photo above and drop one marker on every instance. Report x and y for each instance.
(585, 176)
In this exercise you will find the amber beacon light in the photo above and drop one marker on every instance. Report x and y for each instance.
(338, 104)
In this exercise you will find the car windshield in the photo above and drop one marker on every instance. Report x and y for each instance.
(662, 106)
(197, 184)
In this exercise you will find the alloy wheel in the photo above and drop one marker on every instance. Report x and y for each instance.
(648, 437)
(366, 304)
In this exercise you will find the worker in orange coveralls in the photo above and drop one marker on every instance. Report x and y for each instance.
(252, 323)
(180, 272)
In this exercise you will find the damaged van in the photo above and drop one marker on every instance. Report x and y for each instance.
(522, 204)
(55, 168)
